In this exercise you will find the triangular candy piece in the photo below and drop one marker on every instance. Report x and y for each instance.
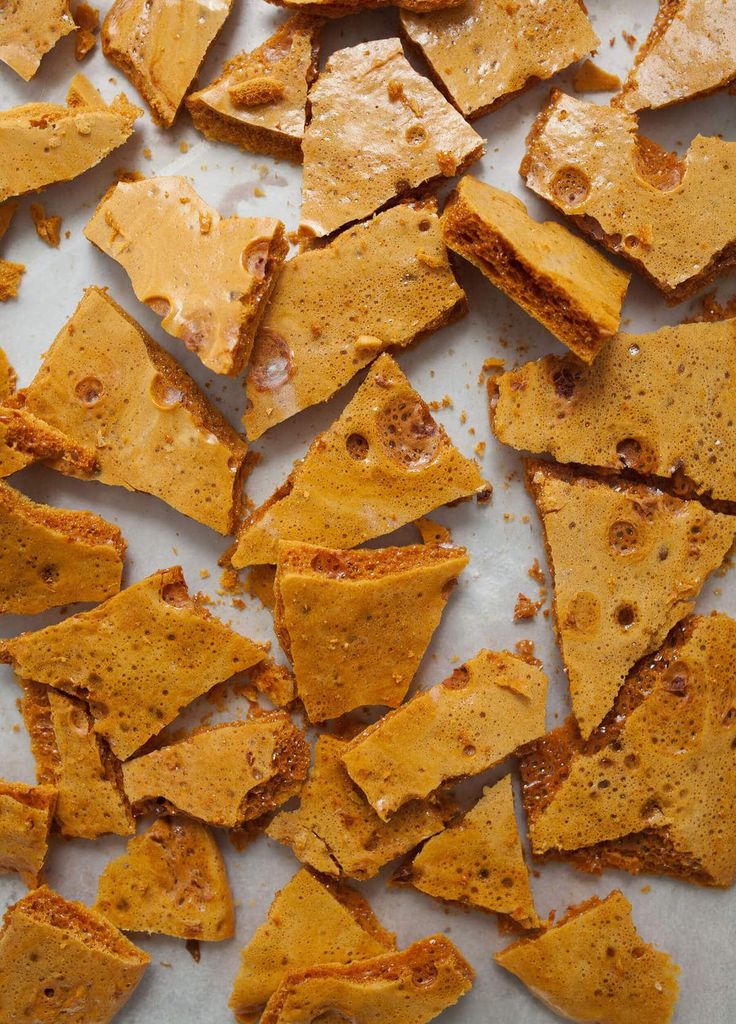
(356, 624)
(594, 966)
(311, 921)
(378, 130)
(25, 439)
(138, 659)
(647, 556)
(259, 101)
(172, 881)
(8, 378)
(29, 29)
(485, 844)
(26, 813)
(383, 463)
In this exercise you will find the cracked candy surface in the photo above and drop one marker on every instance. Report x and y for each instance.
(355, 624)
(311, 921)
(470, 722)
(412, 986)
(378, 130)
(43, 143)
(160, 44)
(77, 762)
(208, 276)
(377, 285)
(662, 403)
(690, 51)
(259, 100)
(673, 219)
(29, 29)
(654, 786)
(171, 880)
(594, 966)
(337, 832)
(93, 968)
(110, 387)
(478, 861)
(507, 46)
(24, 439)
(26, 813)
(52, 556)
(224, 775)
(138, 659)
(647, 556)
(384, 462)
(559, 279)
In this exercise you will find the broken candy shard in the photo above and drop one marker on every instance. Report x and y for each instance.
(138, 659)
(110, 387)
(378, 130)
(43, 143)
(259, 101)
(410, 987)
(171, 880)
(77, 762)
(25, 439)
(53, 556)
(8, 378)
(339, 8)
(647, 556)
(471, 722)
(225, 774)
(311, 921)
(29, 29)
(653, 788)
(690, 51)
(26, 813)
(478, 861)
(559, 279)
(383, 463)
(355, 624)
(378, 285)
(60, 960)
(334, 830)
(160, 45)
(619, 413)
(594, 966)
(508, 47)
(209, 277)
(672, 218)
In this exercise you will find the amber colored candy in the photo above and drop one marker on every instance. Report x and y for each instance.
(29, 29)
(26, 813)
(339, 8)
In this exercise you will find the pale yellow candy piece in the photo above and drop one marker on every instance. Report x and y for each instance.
(29, 29)
(43, 143)
(171, 880)
(356, 624)
(559, 279)
(138, 659)
(647, 556)
(335, 831)
(160, 45)
(224, 775)
(508, 47)
(110, 387)
(378, 285)
(26, 813)
(208, 276)
(311, 921)
(77, 762)
(383, 463)
(378, 130)
(470, 722)
(594, 966)
(673, 219)
(60, 960)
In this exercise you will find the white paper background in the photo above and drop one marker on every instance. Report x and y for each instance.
(695, 925)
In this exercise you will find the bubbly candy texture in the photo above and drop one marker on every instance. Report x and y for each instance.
(378, 285)
(26, 813)
(8, 378)
(378, 130)
(470, 722)
(29, 29)
(339, 8)
(647, 556)
(594, 967)
(355, 624)
(25, 439)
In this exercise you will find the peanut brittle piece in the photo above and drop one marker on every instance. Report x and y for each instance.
(26, 813)
(29, 29)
